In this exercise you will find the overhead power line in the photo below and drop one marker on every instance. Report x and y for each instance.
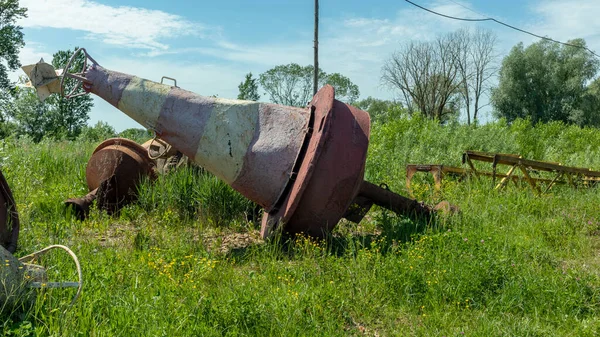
(466, 7)
(504, 24)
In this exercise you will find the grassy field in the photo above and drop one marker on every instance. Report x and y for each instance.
(184, 261)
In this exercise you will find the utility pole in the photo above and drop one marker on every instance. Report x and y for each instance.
(316, 62)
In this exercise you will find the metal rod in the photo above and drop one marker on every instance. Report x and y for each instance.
(316, 61)
(394, 202)
(54, 285)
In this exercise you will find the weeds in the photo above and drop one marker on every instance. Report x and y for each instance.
(511, 263)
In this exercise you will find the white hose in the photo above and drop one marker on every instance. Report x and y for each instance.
(79, 284)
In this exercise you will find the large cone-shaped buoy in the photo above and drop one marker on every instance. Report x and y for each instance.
(304, 166)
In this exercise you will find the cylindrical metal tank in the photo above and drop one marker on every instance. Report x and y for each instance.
(112, 174)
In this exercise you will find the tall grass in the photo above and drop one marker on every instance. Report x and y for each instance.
(183, 261)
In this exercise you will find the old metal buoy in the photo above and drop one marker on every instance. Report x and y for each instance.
(113, 173)
(304, 166)
(9, 218)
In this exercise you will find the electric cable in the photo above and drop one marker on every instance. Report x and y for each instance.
(467, 8)
(504, 24)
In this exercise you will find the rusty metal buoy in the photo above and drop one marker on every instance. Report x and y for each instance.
(304, 166)
(9, 218)
(113, 173)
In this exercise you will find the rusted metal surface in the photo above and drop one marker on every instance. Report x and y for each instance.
(535, 173)
(81, 206)
(532, 170)
(331, 171)
(304, 166)
(122, 162)
(115, 169)
(385, 198)
(358, 209)
(9, 218)
(112, 174)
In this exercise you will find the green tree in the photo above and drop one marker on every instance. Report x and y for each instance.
(588, 112)
(135, 134)
(427, 76)
(99, 132)
(6, 104)
(68, 116)
(546, 81)
(291, 84)
(380, 110)
(11, 39)
(249, 89)
(345, 90)
(31, 116)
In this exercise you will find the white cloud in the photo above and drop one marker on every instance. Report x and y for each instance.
(123, 26)
(357, 48)
(569, 19)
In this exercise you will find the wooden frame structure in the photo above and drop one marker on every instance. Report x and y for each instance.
(560, 174)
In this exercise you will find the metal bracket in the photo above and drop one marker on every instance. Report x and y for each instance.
(169, 78)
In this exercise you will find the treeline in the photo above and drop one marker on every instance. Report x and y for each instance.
(456, 74)
(459, 74)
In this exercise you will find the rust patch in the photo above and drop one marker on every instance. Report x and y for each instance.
(9, 218)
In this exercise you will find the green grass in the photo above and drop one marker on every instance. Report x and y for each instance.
(183, 261)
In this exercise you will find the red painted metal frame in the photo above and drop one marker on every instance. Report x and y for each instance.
(8, 215)
(330, 173)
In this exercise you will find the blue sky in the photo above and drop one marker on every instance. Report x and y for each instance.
(208, 46)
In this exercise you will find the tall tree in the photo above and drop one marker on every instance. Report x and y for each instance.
(588, 112)
(97, 133)
(545, 81)
(380, 110)
(249, 89)
(427, 76)
(31, 117)
(476, 62)
(56, 117)
(291, 84)
(345, 90)
(68, 116)
(11, 39)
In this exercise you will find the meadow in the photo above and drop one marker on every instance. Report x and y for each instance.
(185, 261)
